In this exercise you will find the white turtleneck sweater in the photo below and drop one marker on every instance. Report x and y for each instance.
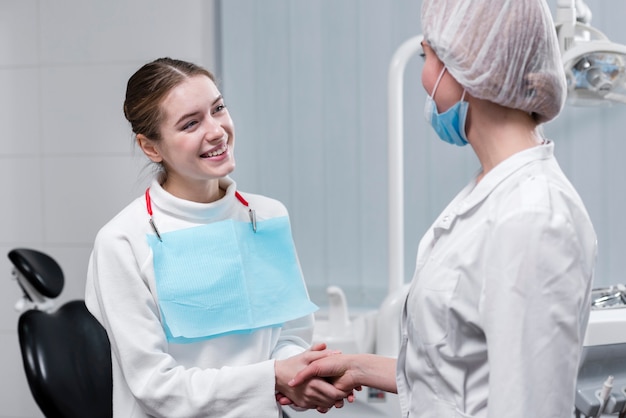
(228, 376)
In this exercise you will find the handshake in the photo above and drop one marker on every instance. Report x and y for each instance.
(326, 378)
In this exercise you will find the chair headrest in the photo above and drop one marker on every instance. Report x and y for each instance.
(41, 271)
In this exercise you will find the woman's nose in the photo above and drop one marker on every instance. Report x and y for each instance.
(214, 129)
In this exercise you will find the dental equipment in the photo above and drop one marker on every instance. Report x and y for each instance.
(604, 395)
(595, 67)
(604, 353)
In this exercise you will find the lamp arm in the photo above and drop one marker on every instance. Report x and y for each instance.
(583, 12)
(565, 23)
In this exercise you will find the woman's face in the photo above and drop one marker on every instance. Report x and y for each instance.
(449, 91)
(197, 136)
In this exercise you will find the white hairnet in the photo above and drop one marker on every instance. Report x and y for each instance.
(504, 51)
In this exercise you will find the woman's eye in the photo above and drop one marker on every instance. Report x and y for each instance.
(189, 124)
(422, 52)
(219, 108)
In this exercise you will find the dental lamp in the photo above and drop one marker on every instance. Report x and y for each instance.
(595, 67)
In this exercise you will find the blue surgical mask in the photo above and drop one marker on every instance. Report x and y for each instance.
(449, 125)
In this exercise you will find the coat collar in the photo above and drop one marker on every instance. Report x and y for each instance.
(475, 193)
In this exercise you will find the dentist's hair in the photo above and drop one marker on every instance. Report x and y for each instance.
(504, 51)
(147, 88)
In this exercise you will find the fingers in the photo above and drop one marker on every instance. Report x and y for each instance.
(318, 394)
(322, 381)
(311, 356)
(350, 398)
(303, 375)
(282, 399)
(318, 347)
(285, 369)
(323, 393)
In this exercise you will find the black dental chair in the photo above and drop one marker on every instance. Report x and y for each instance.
(66, 353)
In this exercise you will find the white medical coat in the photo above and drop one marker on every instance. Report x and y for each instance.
(494, 321)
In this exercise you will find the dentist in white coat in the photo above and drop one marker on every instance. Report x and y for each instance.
(494, 321)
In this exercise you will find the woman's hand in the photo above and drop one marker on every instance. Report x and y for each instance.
(334, 369)
(310, 393)
(348, 372)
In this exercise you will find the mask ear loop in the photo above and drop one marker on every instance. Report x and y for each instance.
(437, 82)
(437, 85)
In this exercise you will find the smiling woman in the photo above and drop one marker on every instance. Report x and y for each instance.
(208, 314)
(198, 136)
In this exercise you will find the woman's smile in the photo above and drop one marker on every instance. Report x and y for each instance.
(216, 152)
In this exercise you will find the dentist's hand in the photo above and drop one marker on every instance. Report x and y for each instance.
(315, 392)
(348, 372)
(334, 369)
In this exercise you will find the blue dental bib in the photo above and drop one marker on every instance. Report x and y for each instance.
(223, 278)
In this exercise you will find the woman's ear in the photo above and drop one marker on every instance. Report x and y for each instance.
(149, 148)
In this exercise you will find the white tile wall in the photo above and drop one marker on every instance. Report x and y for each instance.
(67, 162)
(84, 109)
(19, 29)
(93, 31)
(83, 193)
(19, 119)
(22, 205)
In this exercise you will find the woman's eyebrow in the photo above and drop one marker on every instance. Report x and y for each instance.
(195, 112)
(186, 115)
(220, 97)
